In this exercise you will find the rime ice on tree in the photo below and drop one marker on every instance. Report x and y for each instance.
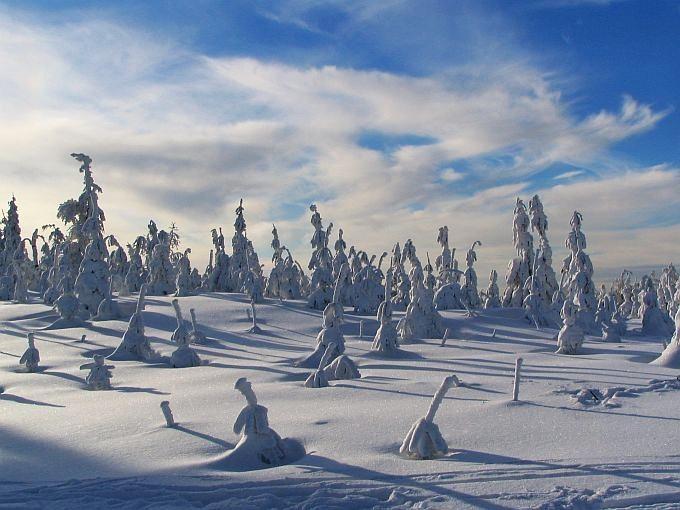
(93, 279)
(577, 273)
(321, 264)
(492, 297)
(135, 345)
(11, 237)
(386, 339)
(519, 268)
(670, 357)
(161, 273)
(543, 272)
(422, 319)
(184, 356)
(469, 292)
(183, 282)
(31, 356)
(330, 336)
(259, 445)
(424, 440)
(99, 377)
(654, 320)
(570, 338)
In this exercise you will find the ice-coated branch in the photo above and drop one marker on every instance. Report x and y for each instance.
(439, 396)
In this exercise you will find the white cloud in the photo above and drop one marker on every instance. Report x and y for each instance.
(181, 137)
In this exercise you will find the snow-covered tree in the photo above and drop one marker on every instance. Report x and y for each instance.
(386, 339)
(99, 377)
(93, 280)
(469, 291)
(424, 440)
(161, 273)
(492, 297)
(520, 267)
(570, 338)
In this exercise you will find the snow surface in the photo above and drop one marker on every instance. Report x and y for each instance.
(62, 446)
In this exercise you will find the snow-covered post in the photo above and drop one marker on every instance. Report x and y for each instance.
(424, 441)
(361, 329)
(167, 412)
(255, 328)
(447, 332)
(515, 384)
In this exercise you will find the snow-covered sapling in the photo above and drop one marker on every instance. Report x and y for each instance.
(259, 444)
(100, 374)
(181, 334)
(424, 440)
(447, 332)
(515, 383)
(318, 379)
(135, 345)
(254, 328)
(196, 335)
(31, 356)
(341, 367)
(386, 340)
(167, 412)
(361, 329)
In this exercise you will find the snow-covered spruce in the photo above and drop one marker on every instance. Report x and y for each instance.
(135, 345)
(424, 440)
(99, 377)
(329, 336)
(386, 339)
(570, 338)
(422, 319)
(577, 277)
(492, 296)
(161, 273)
(183, 282)
(93, 280)
(31, 357)
(519, 268)
(469, 292)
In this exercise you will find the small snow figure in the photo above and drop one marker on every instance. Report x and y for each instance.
(258, 443)
(31, 357)
(181, 334)
(100, 374)
(424, 441)
(167, 412)
(570, 337)
(196, 336)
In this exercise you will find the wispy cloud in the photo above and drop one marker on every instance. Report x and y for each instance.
(180, 136)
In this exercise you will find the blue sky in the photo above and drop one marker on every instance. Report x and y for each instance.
(426, 112)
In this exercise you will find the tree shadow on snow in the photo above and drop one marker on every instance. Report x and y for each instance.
(23, 400)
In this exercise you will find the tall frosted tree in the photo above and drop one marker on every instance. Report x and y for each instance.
(92, 283)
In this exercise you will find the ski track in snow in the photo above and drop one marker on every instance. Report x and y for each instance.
(65, 448)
